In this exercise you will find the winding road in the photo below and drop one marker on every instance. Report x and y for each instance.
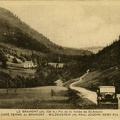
(84, 93)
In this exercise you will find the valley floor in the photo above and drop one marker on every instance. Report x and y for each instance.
(49, 97)
(53, 97)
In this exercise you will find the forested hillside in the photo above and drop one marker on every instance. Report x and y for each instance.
(108, 57)
(20, 43)
(104, 68)
(14, 31)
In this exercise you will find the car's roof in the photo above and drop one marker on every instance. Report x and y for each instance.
(106, 86)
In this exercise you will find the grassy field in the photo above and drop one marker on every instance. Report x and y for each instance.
(90, 79)
(36, 98)
(15, 69)
(41, 98)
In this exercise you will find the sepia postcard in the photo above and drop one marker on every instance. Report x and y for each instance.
(59, 60)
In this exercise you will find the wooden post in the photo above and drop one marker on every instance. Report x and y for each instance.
(52, 93)
(16, 86)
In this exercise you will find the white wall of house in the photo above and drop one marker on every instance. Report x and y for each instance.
(56, 65)
(60, 65)
(28, 64)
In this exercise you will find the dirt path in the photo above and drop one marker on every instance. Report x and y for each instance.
(84, 93)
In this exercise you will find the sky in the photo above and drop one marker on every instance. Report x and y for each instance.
(76, 24)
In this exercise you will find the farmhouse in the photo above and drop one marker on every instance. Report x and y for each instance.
(29, 64)
(56, 65)
(52, 64)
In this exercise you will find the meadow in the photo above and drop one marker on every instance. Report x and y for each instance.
(35, 98)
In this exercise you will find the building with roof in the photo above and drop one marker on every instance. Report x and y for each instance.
(56, 65)
(29, 64)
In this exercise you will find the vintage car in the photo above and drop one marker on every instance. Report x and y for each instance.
(107, 97)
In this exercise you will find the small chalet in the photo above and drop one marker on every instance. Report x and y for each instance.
(59, 83)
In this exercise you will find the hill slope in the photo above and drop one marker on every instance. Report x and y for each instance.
(108, 57)
(14, 31)
(104, 69)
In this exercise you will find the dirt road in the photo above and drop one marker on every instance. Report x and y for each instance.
(84, 93)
